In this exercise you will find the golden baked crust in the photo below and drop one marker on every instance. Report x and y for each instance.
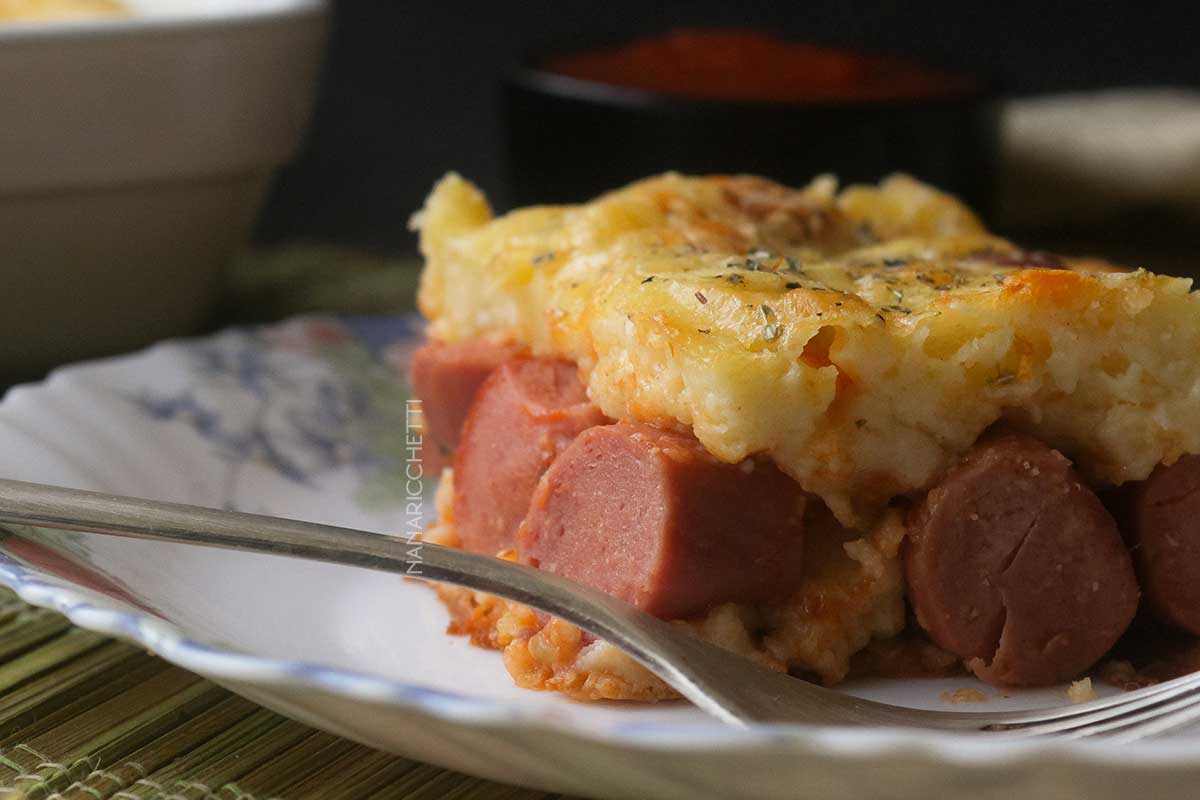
(861, 339)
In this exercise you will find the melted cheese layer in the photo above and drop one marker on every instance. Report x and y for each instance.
(861, 339)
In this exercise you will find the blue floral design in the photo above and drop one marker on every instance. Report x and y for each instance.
(302, 398)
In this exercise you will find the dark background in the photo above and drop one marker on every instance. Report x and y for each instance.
(411, 89)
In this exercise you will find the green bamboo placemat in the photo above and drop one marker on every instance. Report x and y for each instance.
(83, 717)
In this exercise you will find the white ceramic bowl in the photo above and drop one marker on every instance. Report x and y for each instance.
(135, 152)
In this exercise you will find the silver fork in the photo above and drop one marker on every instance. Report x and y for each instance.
(731, 688)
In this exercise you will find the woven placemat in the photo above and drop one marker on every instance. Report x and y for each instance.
(89, 718)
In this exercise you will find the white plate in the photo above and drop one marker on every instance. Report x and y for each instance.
(306, 419)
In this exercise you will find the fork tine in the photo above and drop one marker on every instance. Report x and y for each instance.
(1160, 724)
(1134, 719)
(1063, 719)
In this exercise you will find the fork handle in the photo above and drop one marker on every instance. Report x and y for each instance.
(728, 686)
(637, 633)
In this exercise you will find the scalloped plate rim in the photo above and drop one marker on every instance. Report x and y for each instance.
(167, 641)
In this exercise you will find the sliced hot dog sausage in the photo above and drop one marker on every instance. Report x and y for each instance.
(445, 377)
(1013, 564)
(524, 415)
(1165, 518)
(647, 515)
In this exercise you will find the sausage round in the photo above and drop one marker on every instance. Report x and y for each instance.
(649, 516)
(1014, 564)
(1165, 518)
(525, 414)
(445, 376)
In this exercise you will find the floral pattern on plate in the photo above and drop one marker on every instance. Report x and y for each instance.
(302, 398)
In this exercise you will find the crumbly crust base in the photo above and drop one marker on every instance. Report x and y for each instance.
(851, 595)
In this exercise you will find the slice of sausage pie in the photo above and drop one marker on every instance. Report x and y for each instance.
(808, 423)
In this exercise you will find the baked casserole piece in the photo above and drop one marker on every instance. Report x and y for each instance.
(830, 430)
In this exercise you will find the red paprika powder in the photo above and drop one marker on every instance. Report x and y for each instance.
(746, 65)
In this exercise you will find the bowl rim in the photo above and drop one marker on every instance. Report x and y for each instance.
(528, 71)
(175, 21)
(566, 87)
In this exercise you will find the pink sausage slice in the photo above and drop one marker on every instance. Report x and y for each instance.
(1014, 564)
(1166, 526)
(647, 515)
(524, 415)
(445, 376)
